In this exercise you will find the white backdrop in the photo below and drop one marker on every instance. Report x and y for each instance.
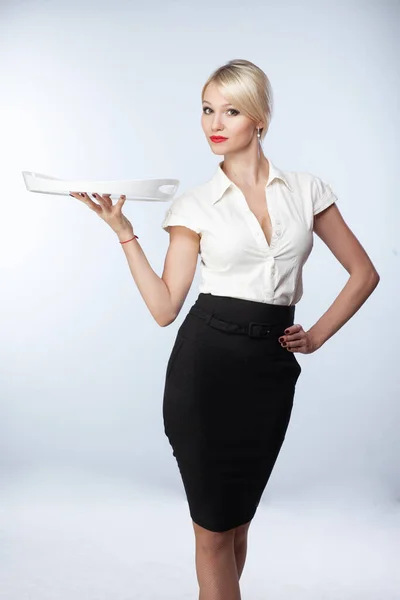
(111, 90)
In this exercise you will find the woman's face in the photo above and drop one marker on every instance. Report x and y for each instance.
(219, 118)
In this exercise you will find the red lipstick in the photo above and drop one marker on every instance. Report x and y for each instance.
(217, 139)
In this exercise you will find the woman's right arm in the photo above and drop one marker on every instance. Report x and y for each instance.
(165, 295)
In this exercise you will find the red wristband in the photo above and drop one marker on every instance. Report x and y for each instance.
(135, 236)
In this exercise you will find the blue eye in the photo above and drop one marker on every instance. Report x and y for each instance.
(229, 109)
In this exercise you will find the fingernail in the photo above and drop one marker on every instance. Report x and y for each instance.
(286, 330)
(283, 343)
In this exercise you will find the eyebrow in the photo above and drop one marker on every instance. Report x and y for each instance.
(227, 104)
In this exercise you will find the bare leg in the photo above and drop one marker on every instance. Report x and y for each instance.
(216, 568)
(240, 546)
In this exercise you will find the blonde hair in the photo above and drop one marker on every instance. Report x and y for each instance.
(246, 86)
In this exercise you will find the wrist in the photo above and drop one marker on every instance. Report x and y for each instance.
(317, 340)
(124, 235)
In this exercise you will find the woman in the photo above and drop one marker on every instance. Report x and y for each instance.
(231, 375)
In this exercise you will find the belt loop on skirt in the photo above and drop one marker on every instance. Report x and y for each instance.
(262, 328)
(208, 317)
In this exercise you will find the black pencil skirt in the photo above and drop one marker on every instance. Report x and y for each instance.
(228, 397)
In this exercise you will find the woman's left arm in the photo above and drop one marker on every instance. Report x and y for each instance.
(330, 226)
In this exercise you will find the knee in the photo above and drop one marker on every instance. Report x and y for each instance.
(213, 541)
(241, 534)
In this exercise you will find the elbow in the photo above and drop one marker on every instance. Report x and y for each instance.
(375, 277)
(164, 322)
(369, 274)
(366, 278)
(161, 323)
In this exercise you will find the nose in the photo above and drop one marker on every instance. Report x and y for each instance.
(216, 125)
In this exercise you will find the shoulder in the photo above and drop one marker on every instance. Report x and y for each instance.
(185, 209)
(183, 201)
(312, 189)
(192, 198)
(304, 181)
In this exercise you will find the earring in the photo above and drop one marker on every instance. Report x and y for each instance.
(258, 133)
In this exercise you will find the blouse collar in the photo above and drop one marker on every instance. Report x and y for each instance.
(220, 182)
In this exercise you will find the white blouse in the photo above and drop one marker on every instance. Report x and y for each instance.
(236, 259)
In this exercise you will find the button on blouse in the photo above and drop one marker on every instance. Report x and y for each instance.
(236, 259)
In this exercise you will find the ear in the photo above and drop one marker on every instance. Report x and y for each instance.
(261, 125)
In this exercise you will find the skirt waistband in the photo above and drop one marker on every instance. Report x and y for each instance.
(236, 315)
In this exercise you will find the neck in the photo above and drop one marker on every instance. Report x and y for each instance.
(246, 169)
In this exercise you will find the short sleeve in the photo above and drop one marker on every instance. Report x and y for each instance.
(322, 195)
(183, 211)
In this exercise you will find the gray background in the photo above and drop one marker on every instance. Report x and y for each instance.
(111, 90)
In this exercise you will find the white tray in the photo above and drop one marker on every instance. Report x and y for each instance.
(147, 190)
